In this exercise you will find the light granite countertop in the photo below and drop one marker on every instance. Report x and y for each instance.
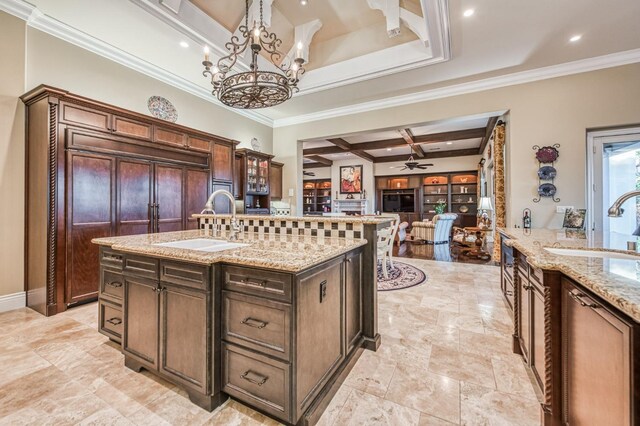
(290, 253)
(615, 280)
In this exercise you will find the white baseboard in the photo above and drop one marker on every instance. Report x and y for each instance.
(13, 301)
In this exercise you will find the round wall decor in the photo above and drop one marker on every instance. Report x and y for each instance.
(161, 108)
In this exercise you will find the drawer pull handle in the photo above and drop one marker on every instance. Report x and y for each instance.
(261, 283)
(113, 257)
(251, 322)
(508, 293)
(114, 321)
(260, 380)
(578, 298)
(527, 287)
(114, 284)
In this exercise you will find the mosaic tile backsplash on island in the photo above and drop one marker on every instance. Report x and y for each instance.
(288, 227)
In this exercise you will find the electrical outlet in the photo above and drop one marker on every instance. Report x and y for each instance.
(562, 209)
(323, 290)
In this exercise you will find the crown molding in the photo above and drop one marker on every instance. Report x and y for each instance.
(553, 71)
(40, 21)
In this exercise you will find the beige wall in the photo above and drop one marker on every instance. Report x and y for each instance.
(551, 111)
(12, 45)
(57, 63)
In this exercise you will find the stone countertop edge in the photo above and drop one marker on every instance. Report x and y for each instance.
(337, 219)
(621, 292)
(267, 251)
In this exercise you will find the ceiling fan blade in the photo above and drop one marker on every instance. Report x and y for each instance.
(405, 167)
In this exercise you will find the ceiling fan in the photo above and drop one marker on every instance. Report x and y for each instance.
(412, 164)
(306, 173)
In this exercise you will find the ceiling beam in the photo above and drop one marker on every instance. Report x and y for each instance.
(319, 159)
(323, 150)
(451, 136)
(487, 135)
(347, 147)
(314, 165)
(407, 135)
(430, 155)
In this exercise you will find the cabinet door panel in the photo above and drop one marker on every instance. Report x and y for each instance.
(196, 193)
(222, 204)
(128, 127)
(134, 195)
(320, 331)
(596, 352)
(275, 177)
(525, 318)
(538, 343)
(140, 338)
(184, 336)
(169, 190)
(222, 161)
(90, 201)
(353, 292)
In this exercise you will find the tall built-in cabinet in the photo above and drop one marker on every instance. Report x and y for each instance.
(95, 170)
(253, 181)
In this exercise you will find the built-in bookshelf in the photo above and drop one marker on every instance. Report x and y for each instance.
(457, 191)
(316, 196)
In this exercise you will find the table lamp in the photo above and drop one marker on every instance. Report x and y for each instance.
(485, 206)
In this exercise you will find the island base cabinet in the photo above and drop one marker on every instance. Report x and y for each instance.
(183, 336)
(140, 339)
(596, 354)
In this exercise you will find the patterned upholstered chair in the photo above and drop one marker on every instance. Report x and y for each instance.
(437, 231)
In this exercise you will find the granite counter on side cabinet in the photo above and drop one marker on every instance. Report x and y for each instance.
(575, 299)
(615, 280)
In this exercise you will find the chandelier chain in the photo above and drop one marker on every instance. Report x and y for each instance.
(261, 21)
(246, 15)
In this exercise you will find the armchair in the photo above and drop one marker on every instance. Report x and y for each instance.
(437, 231)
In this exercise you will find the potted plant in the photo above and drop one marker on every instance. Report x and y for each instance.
(440, 207)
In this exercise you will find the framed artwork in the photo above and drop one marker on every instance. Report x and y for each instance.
(350, 179)
(574, 219)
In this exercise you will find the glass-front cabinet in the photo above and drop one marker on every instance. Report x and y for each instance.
(257, 175)
(252, 174)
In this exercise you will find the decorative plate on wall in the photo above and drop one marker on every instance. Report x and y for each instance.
(161, 108)
(547, 190)
(547, 172)
(547, 154)
(463, 209)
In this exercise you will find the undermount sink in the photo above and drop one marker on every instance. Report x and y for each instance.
(592, 253)
(202, 244)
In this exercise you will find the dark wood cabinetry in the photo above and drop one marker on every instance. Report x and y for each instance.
(98, 170)
(275, 180)
(457, 191)
(252, 174)
(598, 360)
(316, 196)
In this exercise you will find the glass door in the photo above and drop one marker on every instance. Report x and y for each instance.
(613, 169)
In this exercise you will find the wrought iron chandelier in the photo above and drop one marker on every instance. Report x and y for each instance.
(254, 88)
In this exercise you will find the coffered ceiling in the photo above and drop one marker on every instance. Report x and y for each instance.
(355, 62)
(452, 138)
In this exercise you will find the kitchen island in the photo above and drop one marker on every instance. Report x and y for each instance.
(575, 299)
(274, 320)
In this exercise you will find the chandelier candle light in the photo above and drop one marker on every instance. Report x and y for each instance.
(254, 88)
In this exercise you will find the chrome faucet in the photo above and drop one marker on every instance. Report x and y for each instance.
(208, 208)
(616, 209)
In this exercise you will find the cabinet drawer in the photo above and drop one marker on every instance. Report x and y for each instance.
(141, 266)
(259, 282)
(184, 274)
(111, 258)
(535, 274)
(110, 320)
(128, 127)
(257, 323)
(257, 380)
(111, 284)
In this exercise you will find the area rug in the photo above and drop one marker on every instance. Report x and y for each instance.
(402, 275)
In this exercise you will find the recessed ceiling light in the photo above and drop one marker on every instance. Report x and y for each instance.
(575, 38)
(303, 2)
(391, 167)
(388, 149)
(184, 44)
(469, 12)
(449, 143)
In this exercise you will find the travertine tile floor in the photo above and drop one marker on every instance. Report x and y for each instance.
(445, 359)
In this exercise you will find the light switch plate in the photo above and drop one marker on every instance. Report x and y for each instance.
(290, 192)
(562, 209)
